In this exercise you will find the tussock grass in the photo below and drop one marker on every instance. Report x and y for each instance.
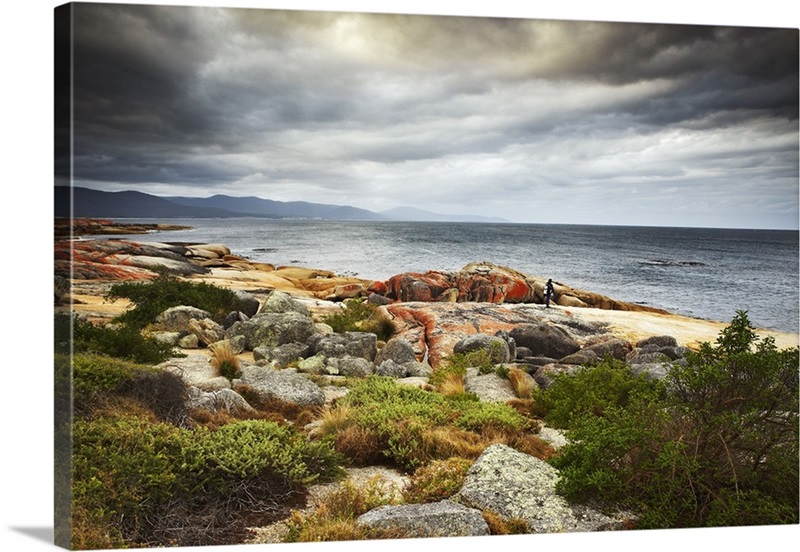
(523, 387)
(500, 526)
(452, 383)
(335, 518)
(225, 362)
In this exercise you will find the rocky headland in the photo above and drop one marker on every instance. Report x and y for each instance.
(67, 227)
(288, 354)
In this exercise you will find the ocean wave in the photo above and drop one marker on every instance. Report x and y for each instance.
(670, 262)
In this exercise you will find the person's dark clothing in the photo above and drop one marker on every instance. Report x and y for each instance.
(548, 293)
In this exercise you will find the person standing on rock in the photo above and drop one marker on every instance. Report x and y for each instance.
(548, 293)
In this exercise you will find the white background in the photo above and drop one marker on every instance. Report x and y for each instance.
(27, 152)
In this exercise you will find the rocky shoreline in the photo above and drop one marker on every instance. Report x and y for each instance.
(66, 227)
(481, 294)
(288, 354)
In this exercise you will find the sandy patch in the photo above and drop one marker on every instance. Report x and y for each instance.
(689, 332)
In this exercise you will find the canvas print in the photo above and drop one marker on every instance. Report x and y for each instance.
(331, 276)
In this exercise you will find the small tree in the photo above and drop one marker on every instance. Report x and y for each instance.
(720, 448)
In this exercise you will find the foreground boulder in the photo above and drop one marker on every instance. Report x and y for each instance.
(514, 485)
(176, 319)
(397, 349)
(546, 340)
(221, 400)
(489, 387)
(273, 329)
(284, 385)
(437, 519)
(355, 344)
(496, 347)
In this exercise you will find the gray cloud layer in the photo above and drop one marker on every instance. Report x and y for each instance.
(532, 120)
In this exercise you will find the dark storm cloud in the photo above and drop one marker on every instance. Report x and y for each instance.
(375, 110)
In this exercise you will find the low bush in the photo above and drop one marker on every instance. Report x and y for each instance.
(482, 359)
(592, 391)
(98, 379)
(152, 298)
(718, 447)
(358, 315)
(120, 342)
(139, 483)
(411, 427)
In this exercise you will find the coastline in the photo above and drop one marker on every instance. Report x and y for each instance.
(322, 291)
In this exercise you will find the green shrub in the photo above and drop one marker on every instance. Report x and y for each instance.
(593, 390)
(97, 375)
(138, 483)
(481, 359)
(719, 447)
(411, 427)
(123, 468)
(254, 448)
(154, 297)
(445, 372)
(359, 315)
(98, 378)
(481, 416)
(121, 342)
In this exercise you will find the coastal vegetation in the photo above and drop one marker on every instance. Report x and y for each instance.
(714, 444)
(119, 341)
(152, 298)
(359, 315)
(147, 474)
(710, 440)
(382, 420)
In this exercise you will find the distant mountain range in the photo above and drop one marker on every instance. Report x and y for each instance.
(88, 203)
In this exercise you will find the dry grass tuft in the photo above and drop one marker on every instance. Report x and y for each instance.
(521, 382)
(335, 418)
(501, 526)
(225, 362)
(335, 518)
(533, 445)
(361, 446)
(452, 384)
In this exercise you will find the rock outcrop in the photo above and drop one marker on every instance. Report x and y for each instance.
(434, 329)
(487, 282)
(514, 485)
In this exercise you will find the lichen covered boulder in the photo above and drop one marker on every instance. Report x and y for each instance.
(515, 485)
(437, 519)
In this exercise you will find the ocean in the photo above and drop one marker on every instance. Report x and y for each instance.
(698, 272)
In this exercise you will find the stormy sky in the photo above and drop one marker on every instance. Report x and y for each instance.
(532, 120)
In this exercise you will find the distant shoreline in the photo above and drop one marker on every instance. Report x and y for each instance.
(66, 227)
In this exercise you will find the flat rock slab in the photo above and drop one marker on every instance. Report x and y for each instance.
(436, 519)
(285, 385)
(489, 387)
